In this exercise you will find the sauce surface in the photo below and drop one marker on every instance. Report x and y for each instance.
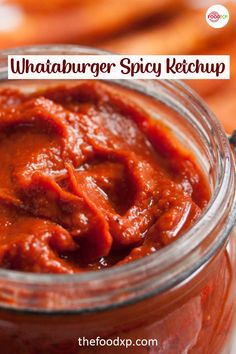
(89, 180)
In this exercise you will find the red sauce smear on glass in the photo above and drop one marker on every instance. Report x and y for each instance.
(89, 180)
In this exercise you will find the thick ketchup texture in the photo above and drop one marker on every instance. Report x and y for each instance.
(89, 180)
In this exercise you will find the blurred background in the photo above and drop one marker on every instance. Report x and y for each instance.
(130, 27)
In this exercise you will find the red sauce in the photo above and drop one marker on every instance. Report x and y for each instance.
(89, 180)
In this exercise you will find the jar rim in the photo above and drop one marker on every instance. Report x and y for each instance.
(189, 242)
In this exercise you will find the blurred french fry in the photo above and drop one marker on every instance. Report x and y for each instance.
(223, 104)
(208, 87)
(186, 34)
(45, 5)
(84, 23)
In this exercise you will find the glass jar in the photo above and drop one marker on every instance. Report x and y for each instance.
(183, 296)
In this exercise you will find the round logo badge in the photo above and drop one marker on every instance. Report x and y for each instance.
(217, 16)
